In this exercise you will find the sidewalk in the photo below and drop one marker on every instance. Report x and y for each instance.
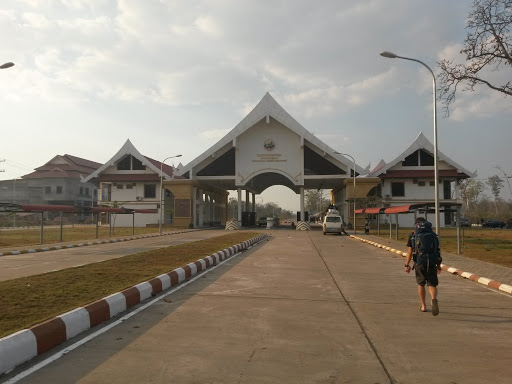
(466, 265)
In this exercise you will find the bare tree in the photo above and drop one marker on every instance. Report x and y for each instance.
(506, 178)
(496, 183)
(470, 190)
(488, 46)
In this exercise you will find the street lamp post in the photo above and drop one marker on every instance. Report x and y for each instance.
(14, 201)
(390, 55)
(6, 65)
(161, 192)
(354, 186)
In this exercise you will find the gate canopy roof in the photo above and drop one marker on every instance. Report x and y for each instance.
(269, 147)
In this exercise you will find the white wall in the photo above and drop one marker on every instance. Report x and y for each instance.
(285, 157)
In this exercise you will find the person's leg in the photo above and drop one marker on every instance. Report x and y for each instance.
(435, 304)
(422, 294)
(433, 292)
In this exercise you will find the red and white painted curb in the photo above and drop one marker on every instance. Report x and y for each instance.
(26, 344)
(107, 241)
(467, 275)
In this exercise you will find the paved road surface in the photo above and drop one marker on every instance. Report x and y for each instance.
(303, 308)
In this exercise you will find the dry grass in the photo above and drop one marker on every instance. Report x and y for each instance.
(30, 300)
(490, 245)
(11, 238)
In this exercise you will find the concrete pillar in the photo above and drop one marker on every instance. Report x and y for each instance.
(302, 204)
(253, 202)
(240, 205)
(247, 201)
(200, 208)
(194, 207)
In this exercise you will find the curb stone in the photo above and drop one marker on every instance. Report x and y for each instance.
(454, 271)
(26, 344)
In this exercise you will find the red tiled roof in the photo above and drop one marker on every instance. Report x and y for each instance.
(168, 170)
(74, 167)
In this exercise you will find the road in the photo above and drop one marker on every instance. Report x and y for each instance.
(301, 308)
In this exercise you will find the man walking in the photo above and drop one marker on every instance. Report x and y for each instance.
(423, 248)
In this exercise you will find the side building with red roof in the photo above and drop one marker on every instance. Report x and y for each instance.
(57, 182)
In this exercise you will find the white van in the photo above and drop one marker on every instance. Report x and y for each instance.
(332, 223)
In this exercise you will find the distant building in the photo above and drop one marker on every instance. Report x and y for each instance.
(409, 179)
(132, 180)
(58, 182)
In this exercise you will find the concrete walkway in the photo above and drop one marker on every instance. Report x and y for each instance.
(303, 308)
(481, 268)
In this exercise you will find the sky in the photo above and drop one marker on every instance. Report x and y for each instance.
(175, 76)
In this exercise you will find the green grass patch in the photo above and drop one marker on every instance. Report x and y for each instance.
(30, 300)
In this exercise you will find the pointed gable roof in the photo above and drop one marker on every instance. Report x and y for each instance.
(268, 106)
(379, 166)
(129, 149)
(421, 142)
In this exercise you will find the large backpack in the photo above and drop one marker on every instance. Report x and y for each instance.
(426, 245)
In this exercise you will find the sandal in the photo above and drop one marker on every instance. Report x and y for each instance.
(435, 307)
(423, 310)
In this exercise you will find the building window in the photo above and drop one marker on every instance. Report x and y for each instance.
(426, 159)
(81, 191)
(47, 190)
(411, 160)
(137, 165)
(447, 189)
(432, 183)
(421, 183)
(119, 186)
(397, 189)
(86, 191)
(149, 191)
(124, 164)
(129, 186)
(129, 162)
(59, 190)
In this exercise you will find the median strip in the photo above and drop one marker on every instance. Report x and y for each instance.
(26, 344)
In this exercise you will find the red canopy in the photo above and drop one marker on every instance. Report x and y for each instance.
(374, 210)
(399, 209)
(359, 211)
(42, 207)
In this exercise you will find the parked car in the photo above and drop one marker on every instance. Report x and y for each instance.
(465, 222)
(494, 224)
(262, 222)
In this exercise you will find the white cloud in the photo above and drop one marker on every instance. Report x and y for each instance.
(469, 106)
(208, 26)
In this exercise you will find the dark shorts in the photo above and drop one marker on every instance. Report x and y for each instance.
(424, 276)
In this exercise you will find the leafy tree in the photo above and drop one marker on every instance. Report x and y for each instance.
(488, 47)
(496, 184)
